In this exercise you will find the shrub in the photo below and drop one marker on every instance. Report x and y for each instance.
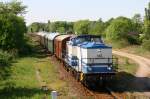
(146, 44)
(5, 58)
(122, 29)
(12, 29)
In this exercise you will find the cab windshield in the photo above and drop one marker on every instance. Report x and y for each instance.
(81, 40)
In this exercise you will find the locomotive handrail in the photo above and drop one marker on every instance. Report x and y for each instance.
(114, 62)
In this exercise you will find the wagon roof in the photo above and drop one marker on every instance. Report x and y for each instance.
(42, 33)
(51, 36)
(62, 37)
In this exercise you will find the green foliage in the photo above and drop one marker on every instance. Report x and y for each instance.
(5, 58)
(82, 27)
(147, 23)
(22, 80)
(13, 7)
(118, 29)
(147, 12)
(36, 27)
(146, 29)
(127, 65)
(96, 27)
(137, 21)
(12, 29)
(58, 26)
(12, 26)
(107, 23)
(122, 29)
(146, 44)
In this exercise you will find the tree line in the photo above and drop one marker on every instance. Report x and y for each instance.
(125, 31)
(135, 30)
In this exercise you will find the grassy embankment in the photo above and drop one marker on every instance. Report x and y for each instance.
(126, 65)
(19, 81)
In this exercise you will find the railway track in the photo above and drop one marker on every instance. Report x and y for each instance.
(104, 93)
(83, 91)
(80, 89)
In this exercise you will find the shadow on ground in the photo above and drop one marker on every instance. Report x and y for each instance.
(125, 82)
(5, 72)
(37, 51)
(19, 92)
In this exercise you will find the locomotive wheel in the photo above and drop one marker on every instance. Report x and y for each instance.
(85, 81)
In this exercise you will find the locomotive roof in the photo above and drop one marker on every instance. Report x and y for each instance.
(91, 45)
(86, 36)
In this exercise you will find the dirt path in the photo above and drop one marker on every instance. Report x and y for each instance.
(142, 81)
(144, 63)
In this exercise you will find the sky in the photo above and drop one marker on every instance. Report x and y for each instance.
(73, 10)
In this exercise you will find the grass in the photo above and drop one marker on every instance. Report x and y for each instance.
(50, 75)
(126, 65)
(22, 82)
(19, 81)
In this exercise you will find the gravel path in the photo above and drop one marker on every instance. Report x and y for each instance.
(142, 81)
(144, 63)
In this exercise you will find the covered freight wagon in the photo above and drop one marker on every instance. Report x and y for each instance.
(60, 45)
(50, 41)
(43, 34)
(39, 37)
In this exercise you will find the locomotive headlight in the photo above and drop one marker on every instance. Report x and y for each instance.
(109, 68)
(89, 68)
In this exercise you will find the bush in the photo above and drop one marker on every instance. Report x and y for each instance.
(5, 58)
(12, 29)
(146, 44)
(27, 47)
(122, 29)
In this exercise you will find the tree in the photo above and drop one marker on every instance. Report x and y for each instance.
(96, 27)
(36, 27)
(147, 23)
(107, 23)
(12, 29)
(137, 20)
(13, 7)
(69, 27)
(82, 27)
(12, 26)
(121, 29)
(146, 27)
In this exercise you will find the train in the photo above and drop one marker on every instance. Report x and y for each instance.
(87, 57)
